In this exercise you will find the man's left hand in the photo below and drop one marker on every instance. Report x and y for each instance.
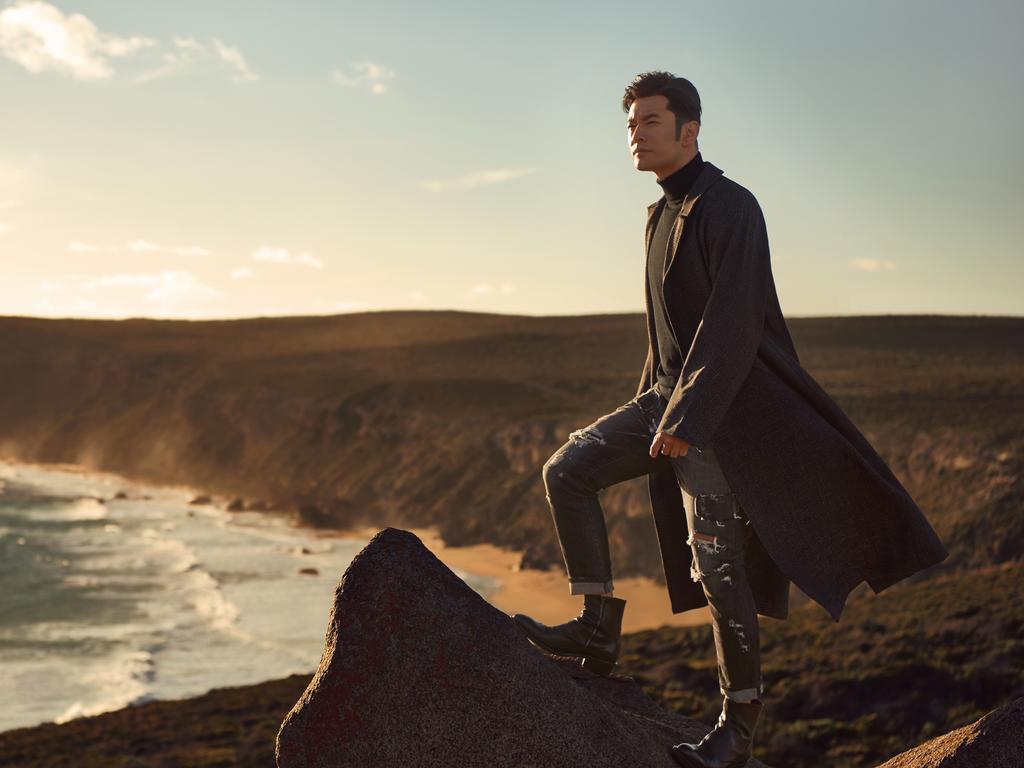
(668, 445)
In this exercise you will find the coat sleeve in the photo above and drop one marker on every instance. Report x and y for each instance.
(727, 338)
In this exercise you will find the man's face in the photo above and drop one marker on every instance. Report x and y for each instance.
(651, 132)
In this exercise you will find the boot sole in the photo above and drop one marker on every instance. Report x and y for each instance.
(592, 664)
(600, 667)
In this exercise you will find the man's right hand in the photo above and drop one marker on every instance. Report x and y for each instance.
(668, 445)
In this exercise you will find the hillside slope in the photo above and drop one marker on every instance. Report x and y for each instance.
(420, 418)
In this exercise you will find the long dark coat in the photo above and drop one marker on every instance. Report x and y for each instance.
(827, 511)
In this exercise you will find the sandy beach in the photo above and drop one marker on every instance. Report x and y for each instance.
(544, 595)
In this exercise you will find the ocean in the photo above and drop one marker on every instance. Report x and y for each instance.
(106, 602)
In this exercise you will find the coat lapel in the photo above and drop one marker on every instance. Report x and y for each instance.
(708, 175)
(649, 232)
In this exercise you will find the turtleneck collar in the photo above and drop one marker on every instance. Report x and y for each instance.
(677, 184)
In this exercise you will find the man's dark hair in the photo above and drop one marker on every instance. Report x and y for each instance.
(683, 99)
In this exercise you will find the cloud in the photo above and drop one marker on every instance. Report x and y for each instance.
(505, 288)
(122, 280)
(235, 60)
(872, 265)
(189, 250)
(189, 52)
(39, 37)
(140, 246)
(477, 179)
(77, 246)
(242, 273)
(373, 76)
(9, 204)
(167, 287)
(168, 293)
(180, 287)
(4, 228)
(76, 308)
(282, 256)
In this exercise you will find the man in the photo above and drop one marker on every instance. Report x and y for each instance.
(749, 462)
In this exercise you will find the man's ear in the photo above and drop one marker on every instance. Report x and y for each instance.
(693, 128)
(689, 133)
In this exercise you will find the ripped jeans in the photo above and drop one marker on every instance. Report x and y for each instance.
(616, 447)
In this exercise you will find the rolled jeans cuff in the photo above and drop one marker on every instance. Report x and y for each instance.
(589, 587)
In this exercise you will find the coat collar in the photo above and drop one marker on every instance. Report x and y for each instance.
(708, 175)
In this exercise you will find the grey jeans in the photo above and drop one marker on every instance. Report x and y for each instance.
(616, 447)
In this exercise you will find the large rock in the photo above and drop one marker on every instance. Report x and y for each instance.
(419, 670)
(993, 741)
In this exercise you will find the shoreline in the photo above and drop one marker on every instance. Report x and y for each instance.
(82, 470)
(544, 595)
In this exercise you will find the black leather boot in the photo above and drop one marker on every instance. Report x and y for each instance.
(594, 634)
(729, 743)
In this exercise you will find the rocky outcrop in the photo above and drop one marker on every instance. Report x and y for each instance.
(418, 669)
(450, 674)
(993, 741)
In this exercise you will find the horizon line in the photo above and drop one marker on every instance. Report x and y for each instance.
(421, 310)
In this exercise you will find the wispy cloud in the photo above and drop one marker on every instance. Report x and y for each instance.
(167, 293)
(122, 280)
(189, 53)
(189, 250)
(4, 228)
(240, 72)
(242, 273)
(505, 288)
(39, 37)
(77, 307)
(139, 246)
(477, 179)
(142, 246)
(282, 256)
(366, 74)
(872, 265)
(180, 287)
(168, 286)
(77, 246)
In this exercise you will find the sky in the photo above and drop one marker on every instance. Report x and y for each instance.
(222, 159)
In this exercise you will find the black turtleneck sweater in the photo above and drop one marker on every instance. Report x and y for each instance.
(675, 186)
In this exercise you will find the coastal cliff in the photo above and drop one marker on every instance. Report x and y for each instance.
(446, 418)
